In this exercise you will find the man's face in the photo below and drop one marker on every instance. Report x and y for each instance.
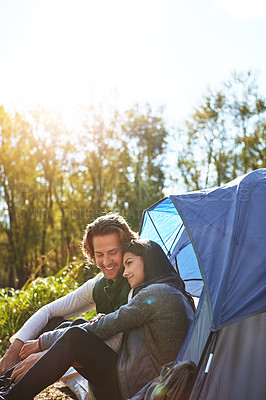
(108, 254)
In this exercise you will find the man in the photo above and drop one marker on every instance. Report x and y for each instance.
(103, 244)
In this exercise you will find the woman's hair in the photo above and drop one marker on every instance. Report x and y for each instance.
(105, 225)
(156, 263)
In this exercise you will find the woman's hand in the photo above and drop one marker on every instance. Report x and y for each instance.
(30, 347)
(98, 316)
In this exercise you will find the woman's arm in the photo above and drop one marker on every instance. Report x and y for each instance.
(140, 308)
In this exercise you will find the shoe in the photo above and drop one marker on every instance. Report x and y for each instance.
(5, 384)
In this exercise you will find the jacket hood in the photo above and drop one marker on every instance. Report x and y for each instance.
(170, 279)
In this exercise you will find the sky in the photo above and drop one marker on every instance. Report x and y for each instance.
(122, 52)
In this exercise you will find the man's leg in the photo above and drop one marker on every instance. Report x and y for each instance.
(52, 324)
(98, 360)
(5, 381)
(67, 324)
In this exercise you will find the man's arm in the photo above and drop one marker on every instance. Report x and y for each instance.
(74, 303)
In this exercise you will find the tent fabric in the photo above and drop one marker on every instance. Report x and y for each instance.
(198, 334)
(163, 216)
(219, 235)
(237, 369)
(226, 227)
(162, 224)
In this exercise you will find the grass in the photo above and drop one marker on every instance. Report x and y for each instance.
(16, 306)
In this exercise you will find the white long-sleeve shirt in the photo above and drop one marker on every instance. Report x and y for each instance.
(74, 303)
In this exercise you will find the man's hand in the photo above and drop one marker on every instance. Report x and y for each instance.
(11, 357)
(25, 365)
(30, 347)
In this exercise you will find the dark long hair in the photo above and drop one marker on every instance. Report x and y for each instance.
(157, 264)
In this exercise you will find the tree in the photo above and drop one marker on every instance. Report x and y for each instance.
(225, 136)
(248, 109)
(17, 177)
(55, 180)
(146, 135)
(50, 149)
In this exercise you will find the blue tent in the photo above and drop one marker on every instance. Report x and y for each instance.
(216, 238)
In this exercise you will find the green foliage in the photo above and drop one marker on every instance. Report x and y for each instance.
(16, 306)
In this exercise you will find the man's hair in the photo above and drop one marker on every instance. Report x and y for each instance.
(105, 225)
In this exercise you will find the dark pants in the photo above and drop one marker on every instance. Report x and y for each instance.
(53, 323)
(99, 366)
(66, 324)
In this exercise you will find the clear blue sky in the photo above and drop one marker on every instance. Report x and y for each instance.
(165, 52)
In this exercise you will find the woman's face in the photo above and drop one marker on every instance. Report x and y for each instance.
(134, 269)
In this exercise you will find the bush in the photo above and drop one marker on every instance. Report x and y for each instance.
(16, 306)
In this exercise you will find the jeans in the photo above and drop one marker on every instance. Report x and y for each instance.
(98, 360)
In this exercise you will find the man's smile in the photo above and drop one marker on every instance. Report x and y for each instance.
(109, 268)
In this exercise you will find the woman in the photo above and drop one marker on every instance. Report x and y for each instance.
(155, 323)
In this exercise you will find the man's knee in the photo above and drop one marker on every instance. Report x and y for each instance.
(79, 321)
(75, 332)
(52, 324)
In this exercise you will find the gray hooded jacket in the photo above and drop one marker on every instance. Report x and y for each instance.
(155, 323)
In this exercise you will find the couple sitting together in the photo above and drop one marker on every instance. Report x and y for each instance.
(148, 313)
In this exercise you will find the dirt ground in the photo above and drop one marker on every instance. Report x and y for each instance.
(57, 391)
